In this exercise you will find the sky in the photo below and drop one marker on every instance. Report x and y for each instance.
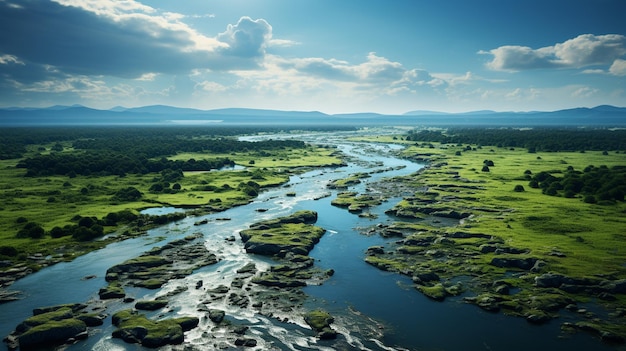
(333, 56)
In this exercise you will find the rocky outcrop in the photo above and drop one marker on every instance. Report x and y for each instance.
(53, 325)
(320, 322)
(509, 262)
(292, 234)
(154, 268)
(135, 328)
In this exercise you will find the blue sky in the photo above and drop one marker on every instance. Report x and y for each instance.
(334, 56)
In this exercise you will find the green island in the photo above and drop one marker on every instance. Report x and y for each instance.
(64, 190)
(535, 231)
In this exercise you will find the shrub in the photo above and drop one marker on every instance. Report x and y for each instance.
(31, 230)
(590, 199)
(519, 188)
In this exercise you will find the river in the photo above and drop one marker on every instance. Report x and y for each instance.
(374, 310)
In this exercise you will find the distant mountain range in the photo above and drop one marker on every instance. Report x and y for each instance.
(604, 115)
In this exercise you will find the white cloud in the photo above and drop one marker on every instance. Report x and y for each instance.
(584, 92)
(210, 87)
(247, 38)
(10, 59)
(618, 68)
(583, 51)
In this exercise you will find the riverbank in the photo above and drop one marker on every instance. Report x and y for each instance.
(515, 249)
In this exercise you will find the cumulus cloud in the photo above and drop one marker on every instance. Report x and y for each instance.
(122, 38)
(376, 70)
(583, 51)
(618, 68)
(247, 38)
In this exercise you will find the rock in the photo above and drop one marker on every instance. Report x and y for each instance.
(549, 280)
(507, 262)
(245, 342)
(54, 332)
(92, 320)
(320, 321)
(150, 305)
(502, 289)
(375, 250)
(221, 289)
(240, 329)
(136, 328)
(537, 317)
(327, 334)
(538, 266)
(112, 291)
(248, 268)
(217, 316)
(425, 277)
(436, 292)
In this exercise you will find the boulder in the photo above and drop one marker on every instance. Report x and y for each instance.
(51, 333)
(520, 263)
(217, 316)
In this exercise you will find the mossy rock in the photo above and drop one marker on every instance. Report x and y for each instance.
(151, 305)
(437, 292)
(51, 333)
(136, 328)
(43, 318)
(318, 320)
(153, 283)
(112, 291)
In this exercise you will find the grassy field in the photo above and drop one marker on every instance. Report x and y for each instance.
(57, 201)
(591, 235)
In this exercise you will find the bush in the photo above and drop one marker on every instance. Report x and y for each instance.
(519, 189)
(31, 230)
(590, 199)
(9, 251)
(485, 169)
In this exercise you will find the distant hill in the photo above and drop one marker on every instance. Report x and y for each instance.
(604, 115)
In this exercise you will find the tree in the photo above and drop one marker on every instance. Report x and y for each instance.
(31, 230)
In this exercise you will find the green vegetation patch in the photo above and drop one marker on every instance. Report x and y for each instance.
(136, 328)
(288, 234)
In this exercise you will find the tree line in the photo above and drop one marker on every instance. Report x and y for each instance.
(15, 141)
(141, 153)
(535, 139)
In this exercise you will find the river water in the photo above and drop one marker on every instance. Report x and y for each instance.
(374, 310)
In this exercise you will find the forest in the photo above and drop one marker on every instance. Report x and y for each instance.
(534, 139)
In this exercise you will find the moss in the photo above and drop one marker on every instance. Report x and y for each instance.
(60, 314)
(318, 320)
(152, 283)
(134, 327)
(436, 292)
(52, 325)
(287, 234)
(112, 291)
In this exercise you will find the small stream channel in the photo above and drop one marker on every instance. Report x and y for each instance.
(374, 310)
